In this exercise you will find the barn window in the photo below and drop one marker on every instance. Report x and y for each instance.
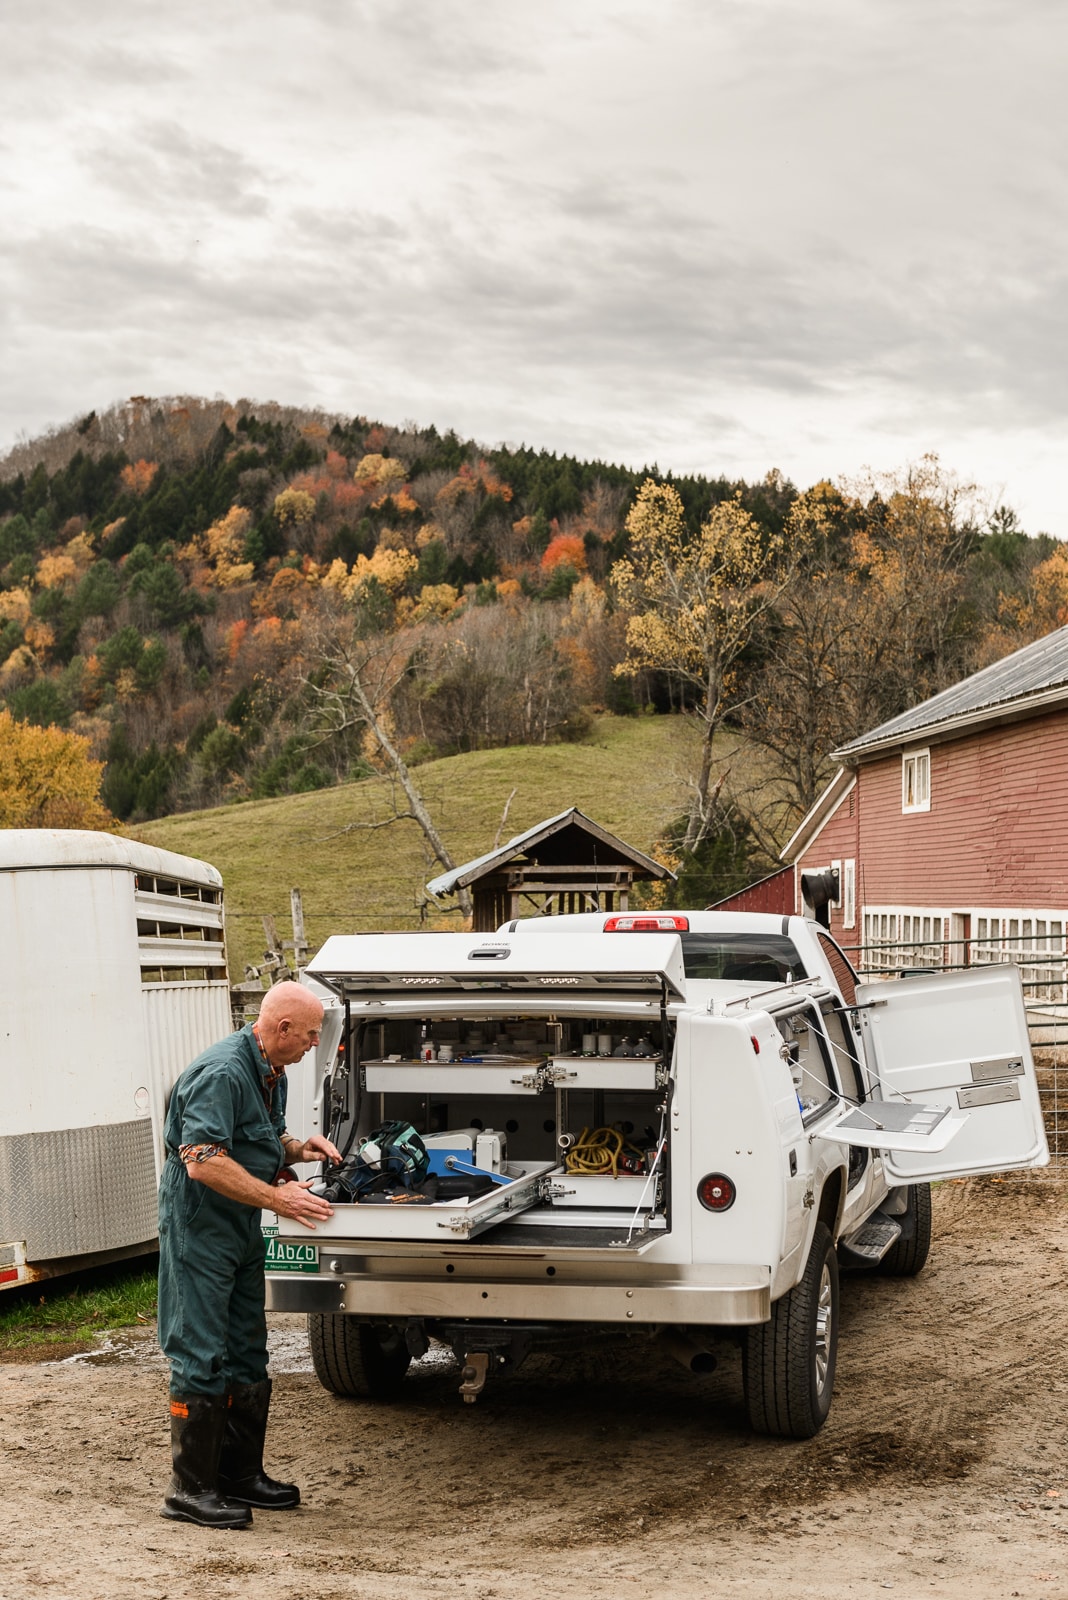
(916, 781)
(849, 894)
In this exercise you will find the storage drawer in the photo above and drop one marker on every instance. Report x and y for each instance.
(594, 1190)
(454, 1077)
(529, 1075)
(458, 1219)
(602, 1072)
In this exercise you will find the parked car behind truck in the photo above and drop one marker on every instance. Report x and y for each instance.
(765, 1118)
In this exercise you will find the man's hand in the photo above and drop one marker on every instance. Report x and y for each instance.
(296, 1201)
(230, 1178)
(313, 1149)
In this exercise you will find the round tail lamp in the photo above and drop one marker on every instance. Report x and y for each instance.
(716, 1192)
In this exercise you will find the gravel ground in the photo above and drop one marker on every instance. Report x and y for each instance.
(943, 1468)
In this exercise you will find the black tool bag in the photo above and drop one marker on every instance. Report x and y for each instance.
(367, 1187)
(392, 1158)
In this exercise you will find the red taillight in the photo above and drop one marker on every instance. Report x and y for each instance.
(647, 922)
(716, 1192)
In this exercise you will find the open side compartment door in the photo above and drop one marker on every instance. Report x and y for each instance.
(952, 1063)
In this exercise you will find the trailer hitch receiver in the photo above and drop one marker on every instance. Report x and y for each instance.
(476, 1370)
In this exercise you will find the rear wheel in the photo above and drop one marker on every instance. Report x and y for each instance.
(789, 1361)
(908, 1255)
(360, 1360)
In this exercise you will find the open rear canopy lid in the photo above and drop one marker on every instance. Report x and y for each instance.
(362, 964)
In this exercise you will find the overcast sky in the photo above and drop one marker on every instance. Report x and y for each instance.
(724, 237)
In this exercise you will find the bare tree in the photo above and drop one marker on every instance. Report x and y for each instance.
(352, 690)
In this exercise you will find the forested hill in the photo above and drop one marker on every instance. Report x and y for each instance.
(165, 567)
(186, 582)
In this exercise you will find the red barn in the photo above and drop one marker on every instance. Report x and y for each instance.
(948, 825)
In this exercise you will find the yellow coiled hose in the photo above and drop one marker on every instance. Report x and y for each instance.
(597, 1151)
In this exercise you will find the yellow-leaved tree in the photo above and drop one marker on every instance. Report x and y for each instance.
(693, 603)
(48, 779)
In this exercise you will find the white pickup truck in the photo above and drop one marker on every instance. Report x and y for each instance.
(687, 1122)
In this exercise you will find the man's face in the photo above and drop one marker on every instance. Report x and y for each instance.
(296, 1035)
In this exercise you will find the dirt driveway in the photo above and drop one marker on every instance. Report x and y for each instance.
(943, 1468)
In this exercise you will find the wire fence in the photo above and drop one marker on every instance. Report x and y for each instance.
(1043, 964)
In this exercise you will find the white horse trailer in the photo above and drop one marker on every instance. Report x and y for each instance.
(113, 974)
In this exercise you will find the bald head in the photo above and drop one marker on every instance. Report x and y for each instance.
(289, 1023)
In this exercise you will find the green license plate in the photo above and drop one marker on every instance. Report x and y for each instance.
(283, 1255)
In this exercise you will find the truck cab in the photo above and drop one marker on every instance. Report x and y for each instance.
(680, 1129)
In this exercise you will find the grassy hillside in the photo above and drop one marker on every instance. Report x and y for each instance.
(628, 776)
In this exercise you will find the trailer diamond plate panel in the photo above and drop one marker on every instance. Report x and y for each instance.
(75, 1191)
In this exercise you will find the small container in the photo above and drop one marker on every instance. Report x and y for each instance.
(445, 1052)
(604, 1044)
(428, 1050)
(589, 1044)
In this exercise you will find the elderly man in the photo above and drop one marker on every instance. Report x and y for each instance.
(227, 1145)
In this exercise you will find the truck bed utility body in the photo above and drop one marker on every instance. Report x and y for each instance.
(679, 1122)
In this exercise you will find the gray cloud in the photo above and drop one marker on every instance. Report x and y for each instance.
(161, 164)
(728, 237)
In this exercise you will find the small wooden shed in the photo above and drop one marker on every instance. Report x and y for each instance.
(566, 863)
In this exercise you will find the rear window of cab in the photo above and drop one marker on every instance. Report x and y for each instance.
(742, 957)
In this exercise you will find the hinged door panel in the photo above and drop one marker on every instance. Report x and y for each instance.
(955, 1045)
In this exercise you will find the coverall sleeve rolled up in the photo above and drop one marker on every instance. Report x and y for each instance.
(207, 1110)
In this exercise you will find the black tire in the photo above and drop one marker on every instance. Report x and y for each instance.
(908, 1255)
(359, 1360)
(789, 1361)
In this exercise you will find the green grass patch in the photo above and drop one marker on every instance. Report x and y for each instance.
(73, 1311)
(629, 775)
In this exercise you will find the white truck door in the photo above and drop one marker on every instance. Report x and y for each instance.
(952, 1062)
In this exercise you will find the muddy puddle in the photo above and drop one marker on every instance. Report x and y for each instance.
(287, 1346)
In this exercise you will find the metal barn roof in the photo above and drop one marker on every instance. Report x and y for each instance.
(1026, 683)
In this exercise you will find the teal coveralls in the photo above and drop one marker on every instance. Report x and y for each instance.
(212, 1325)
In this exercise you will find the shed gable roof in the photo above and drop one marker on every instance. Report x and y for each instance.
(1030, 681)
(569, 837)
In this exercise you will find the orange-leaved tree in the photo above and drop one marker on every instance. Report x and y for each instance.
(566, 549)
(48, 779)
(138, 476)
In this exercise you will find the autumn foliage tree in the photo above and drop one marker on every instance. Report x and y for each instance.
(48, 779)
(566, 549)
(877, 620)
(138, 476)
(694, 602)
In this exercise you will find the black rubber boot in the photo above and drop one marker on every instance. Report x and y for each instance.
(241, 1474)
(197, 1425)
